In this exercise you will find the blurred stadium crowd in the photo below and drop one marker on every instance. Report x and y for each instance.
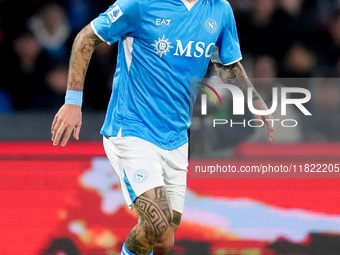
(35, 42)
(279, 38)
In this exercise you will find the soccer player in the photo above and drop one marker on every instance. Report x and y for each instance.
(162, 44)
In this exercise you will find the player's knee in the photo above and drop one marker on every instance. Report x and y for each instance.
(145, 237)
(149, 233)
(167, 246)
(164, 246)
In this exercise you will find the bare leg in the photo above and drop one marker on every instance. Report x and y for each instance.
(154, 219)
(166, 241)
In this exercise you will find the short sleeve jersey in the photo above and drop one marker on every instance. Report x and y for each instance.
(162, 45)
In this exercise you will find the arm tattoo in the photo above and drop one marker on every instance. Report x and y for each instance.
(235, 74)
(82, 50)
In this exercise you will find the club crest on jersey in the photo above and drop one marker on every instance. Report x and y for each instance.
(162, 46)
(210, 25)
(115, 13)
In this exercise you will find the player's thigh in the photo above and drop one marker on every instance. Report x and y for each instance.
(154, 210)
(138, 165)
(166, 241)
(175, 176)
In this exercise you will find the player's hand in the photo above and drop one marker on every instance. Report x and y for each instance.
(260, 105)
(67, 119)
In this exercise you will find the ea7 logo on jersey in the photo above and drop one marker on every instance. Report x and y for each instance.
(160, 22)
(115, 13)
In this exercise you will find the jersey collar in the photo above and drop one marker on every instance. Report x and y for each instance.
(189, 5)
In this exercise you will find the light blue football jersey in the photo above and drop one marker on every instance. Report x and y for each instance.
(162, 44)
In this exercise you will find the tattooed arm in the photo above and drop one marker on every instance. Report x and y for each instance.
(82, 50)
(68, 118)
(235, 74)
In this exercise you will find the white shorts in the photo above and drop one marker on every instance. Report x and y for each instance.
(142, 166)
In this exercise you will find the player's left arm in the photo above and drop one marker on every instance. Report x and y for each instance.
(235, 74)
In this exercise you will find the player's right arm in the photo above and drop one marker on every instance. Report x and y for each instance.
(69, 116)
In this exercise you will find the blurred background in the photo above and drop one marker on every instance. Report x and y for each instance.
(67, 201)
(293, 39)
